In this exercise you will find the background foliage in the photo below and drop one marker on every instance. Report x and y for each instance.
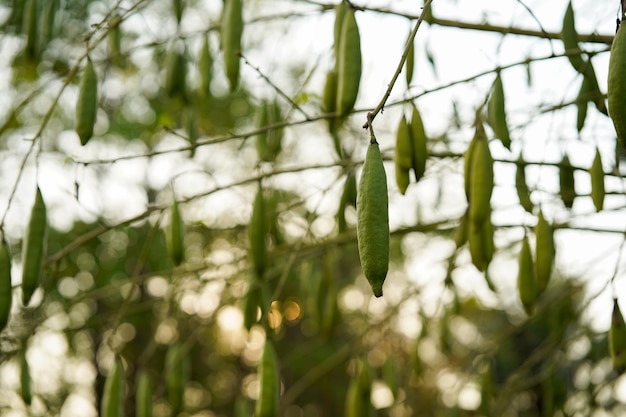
(444, 340)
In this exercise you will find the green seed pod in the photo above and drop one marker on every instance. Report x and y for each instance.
(545, 252)
(269, 141)
(597, 181)
(178, 6)
(34, 248)
(594, 89)
(340, 13)
(358, 403)
(30, 26)
(348, 198)
(175, 74)
(410, 63)
(616, 87)
(143, 395)
(523, 193)
(419, 144)
(403, 178)
(25, 378)
(460, 234)
(404, 147)
(617, 339)
(269, 383)
(177, 368)
(570, 39)
(205, 67)
(481, 179)
(567, 182)
(175, 235)
(496, 113)
(329, 98)
(348, 65)
(48, 22)
(467, 165)
(252, 302)
(115, 41)
(257, 234)
(582, 103)
(231, 31)
(242, 407)
(112, 404)
(481, 244)
(373, 219)
(526, 280)
(6, 298)
(87, 104)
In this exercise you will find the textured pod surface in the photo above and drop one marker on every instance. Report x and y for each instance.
(257, 233)
(526, 281)
(567, 182)
(348, 64)
(269, 383)
(496, 113)
(597, 181)
(34, 248)
(570, 38)
(373, 220)
(419, 142)
(231, 32)
(87, 103)
(616, 87)
(340, 13)
(175, 235)
(404, 147)
(617, 339)
(6, 298)
(545, 252)
(177, 370)
(523, 193)
(112, 404)
(481, 178)
(143, 395)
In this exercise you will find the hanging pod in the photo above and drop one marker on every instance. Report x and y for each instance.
(545, 252)
(176, 74)
(112, 403)
(526, 280)
(257, 234)
(373, 219)
(231, 32)
(567, 182)
(496, 113)
(143, 395)
(348, 64)
(269, 383)
(410, 62)
(616, 87)
(403, 155)
(582, 103)
(177, 369)
(340, 13)
(205, 68)
(570, 39)
(30, 27)
(87, 103)
(597, 181)
(419, 142)
(481, 178)
(175, 235)
(348, 198)
(523, 193)
(617, 339)
(269, 140)
(34, 248)
(481, 244)
(6, 292)
(358, 403)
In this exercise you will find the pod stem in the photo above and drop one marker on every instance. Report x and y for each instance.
(370, 117)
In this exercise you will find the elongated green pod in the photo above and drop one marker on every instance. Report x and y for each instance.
(231, 32)
(526, 280)
(461, 232)
(570, 39)
(257, 235)
(25, 390)
(177, 369)
(567, 182)
(616, 87)
(48, 29)
(546, 251)
(176, 74)
(496, 113)
(467, 165)
(30, 27)
(143, 395)
(329, 98)
(34, 248)
(112, 404)
(404, 147)
(410, 63)
(481, 178)
(373, 219)
(87, 103)
(358, 402)
(348, 198)
(597, 98)
(348, 64)
(523, 193)
(175, 235)
(6, 296)
(252, 302)
(242, 407)
(205, 68)
(597, 181)
(582, 105)
(481, 244)
(617, 339)
(403, 178)
(419, 141)
(179, 7)
(269, 383)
